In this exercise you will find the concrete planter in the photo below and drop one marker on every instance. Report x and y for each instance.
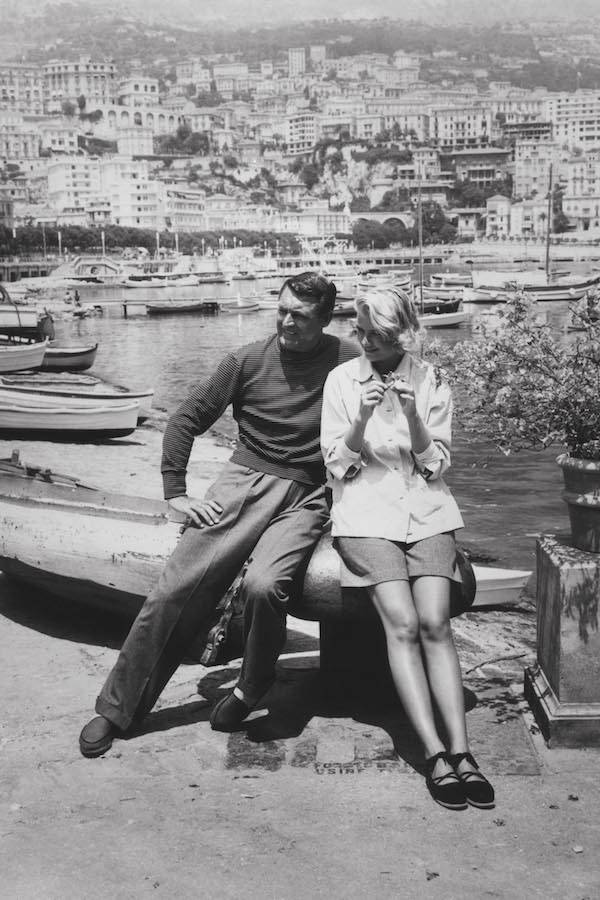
(582, 495)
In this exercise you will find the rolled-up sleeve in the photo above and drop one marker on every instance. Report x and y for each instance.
(335, 421)
(435, 459)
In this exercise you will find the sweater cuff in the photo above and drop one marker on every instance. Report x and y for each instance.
(173, 485)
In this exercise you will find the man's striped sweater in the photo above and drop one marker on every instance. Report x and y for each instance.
(276, 397)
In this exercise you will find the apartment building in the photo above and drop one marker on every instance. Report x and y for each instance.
(581, 199)
(300, 133)
(22, 88)
(460, 127)
(60, 135)
(68, 80)
(296, 61)
(135, 140)
(426, 162)
(531, 167)
(575, 117)
(411, 118)
(529, 218)
(73, 182)
(139, 90)
(135, 198)
(183, 210)
(481, 165)
(18, 138)
(498, 216)
(317, 54)
(192, 71)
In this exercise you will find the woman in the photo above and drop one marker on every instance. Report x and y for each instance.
(385, 436)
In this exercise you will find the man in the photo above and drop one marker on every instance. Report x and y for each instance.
(268, 504)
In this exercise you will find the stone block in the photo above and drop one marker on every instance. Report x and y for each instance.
(563, 689)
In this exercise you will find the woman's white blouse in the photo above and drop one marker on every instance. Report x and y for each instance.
(386, 490)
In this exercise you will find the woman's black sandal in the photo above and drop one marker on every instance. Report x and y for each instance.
(478, 790)
(448, 789)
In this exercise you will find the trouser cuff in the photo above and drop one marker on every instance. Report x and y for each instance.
(113, 714)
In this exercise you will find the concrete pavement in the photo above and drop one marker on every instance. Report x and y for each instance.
(324, 800)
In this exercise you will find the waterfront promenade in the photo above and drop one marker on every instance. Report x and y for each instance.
(325, 801)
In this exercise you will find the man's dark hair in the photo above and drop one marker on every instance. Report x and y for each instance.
(315, 287)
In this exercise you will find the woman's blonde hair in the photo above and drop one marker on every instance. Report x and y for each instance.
(392, 315)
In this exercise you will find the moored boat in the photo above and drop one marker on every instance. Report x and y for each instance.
(19, 357)
(239, 306)
(75, 423)
(178, 307)
(108, 549)
(71, 359)
(93, 396)
(443, 319)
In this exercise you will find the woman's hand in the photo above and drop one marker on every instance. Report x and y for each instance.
(371, 396)
(406, 395)
(197, 512)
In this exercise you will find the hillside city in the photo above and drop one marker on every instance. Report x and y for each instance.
(497, 136)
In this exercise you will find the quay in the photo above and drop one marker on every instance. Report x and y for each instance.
(322, 800)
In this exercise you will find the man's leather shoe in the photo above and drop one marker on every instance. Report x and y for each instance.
(97, 737)
(232, 714)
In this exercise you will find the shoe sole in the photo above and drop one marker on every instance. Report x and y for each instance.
(482, 805)
(455, 807)
(243, 725)
(90, 751)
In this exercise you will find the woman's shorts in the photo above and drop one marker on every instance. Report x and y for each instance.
(367, 561)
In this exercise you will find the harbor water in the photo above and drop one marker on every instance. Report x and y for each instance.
(506, 501)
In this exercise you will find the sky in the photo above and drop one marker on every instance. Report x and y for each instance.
(240, 12)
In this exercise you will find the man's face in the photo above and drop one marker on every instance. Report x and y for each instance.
(299, 327)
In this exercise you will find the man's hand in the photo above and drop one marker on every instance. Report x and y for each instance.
(199, 512)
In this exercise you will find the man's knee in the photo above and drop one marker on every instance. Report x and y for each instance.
(261, 588)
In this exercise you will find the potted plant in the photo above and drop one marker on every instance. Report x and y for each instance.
(524, 387)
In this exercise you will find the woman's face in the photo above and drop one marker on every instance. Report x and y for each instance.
(380, 351)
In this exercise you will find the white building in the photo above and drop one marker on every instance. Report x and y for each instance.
(575, 117)
(73, 182)
(531, 167)
(296, 61)
(317, 53)
(300, 133)
(135, 198)
(460, 127)
(139, 90)
(529, 218)
(22, 88)
(498, 216)
(18, 139)
(135, 141)
(58, 134)
(68, 80)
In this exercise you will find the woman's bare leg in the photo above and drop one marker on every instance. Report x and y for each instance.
(432, 604)
(394, 603)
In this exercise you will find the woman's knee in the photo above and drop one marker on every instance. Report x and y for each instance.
(434, 628)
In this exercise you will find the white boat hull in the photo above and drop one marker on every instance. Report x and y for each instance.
(93, 397)
(443, 320)
(69, 359)
(109, 550)
(68, 422)
(19, 357)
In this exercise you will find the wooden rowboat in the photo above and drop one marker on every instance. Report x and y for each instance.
(108, 549)
(92, 396)
(69, 359)
(444, 319)
(19, 357)
(75, 423)
(173, 307)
